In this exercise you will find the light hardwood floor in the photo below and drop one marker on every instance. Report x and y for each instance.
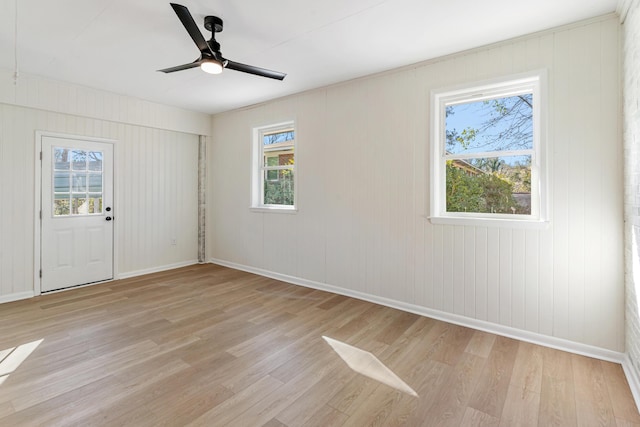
(208, 346)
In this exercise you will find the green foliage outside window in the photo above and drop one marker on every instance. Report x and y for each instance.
(279, 192)
(482, 193)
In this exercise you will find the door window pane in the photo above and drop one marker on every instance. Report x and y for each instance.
(79, 204)
(95, 183)
(79, 160)
(61, 182)
(79, 182)
(61, 160)
(95, 203)
(61, 205)
(95, 160)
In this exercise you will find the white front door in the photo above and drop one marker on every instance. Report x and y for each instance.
(77, 212)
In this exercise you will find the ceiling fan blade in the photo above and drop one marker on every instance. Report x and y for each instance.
(254, 70)
(193, 64)
(190, 25)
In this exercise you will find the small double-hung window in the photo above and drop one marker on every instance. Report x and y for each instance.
(274, 167)
(487, 152)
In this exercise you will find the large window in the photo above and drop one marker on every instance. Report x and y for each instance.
(487, 156)
(274, 167)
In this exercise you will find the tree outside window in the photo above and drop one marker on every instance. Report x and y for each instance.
(487, 151)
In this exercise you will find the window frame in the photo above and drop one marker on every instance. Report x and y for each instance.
(532, 82)
(259, 170)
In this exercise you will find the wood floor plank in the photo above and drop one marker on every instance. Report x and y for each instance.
(26, 394)
(6, 409)
(231, 409)
(396, 328)
(521, 407)
(273, 403)
(624, 408)
(475, 418)
(377, 409)
(481, 343)
(67, 407)
(122, 416)
(491, 391)
(557, 395)
(593, 404)
(212, 346)
(449, 407)
(432, 379)
(191, 404)
(352, 394)
(273, 422)
(298, 412)
(527, 368)
(624, 423)
(326, 416)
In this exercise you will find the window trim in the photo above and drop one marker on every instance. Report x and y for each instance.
(534, 82)
(258, 171)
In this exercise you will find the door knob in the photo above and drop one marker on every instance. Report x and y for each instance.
(108, 218)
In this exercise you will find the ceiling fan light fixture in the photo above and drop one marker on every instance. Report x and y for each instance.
(211, 66)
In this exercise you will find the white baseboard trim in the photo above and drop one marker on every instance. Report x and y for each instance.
(156, 269)
(507, 331)
(16, 296)
(632, 378)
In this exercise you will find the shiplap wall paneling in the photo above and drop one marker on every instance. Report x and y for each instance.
(159, 188)
(630, 13)
(561, 130)
(531, 281)
(341, 143)
(156, 187)
(610, 174)
(311, 253)
(603, 155)
(55, 96)
(480, 273)
(16, 204)
(230, 180)
(579, 142)
(364, 194)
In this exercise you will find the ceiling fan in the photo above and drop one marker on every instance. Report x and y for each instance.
(211, 59)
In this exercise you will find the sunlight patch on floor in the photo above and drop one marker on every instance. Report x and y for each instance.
(365, 363)
(12, 358)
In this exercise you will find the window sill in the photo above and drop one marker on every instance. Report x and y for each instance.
(531, 224)
(274, 209)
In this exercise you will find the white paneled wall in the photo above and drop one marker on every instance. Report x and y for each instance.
(50, 95)
(155, 175)
(363, 190)
(631, 47)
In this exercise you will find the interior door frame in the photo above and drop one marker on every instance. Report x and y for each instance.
(37, 228)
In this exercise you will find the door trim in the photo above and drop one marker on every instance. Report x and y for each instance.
(37, 227)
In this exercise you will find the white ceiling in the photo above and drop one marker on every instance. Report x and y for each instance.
(117, 45)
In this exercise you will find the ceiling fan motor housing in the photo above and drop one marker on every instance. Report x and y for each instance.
(213, 23)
